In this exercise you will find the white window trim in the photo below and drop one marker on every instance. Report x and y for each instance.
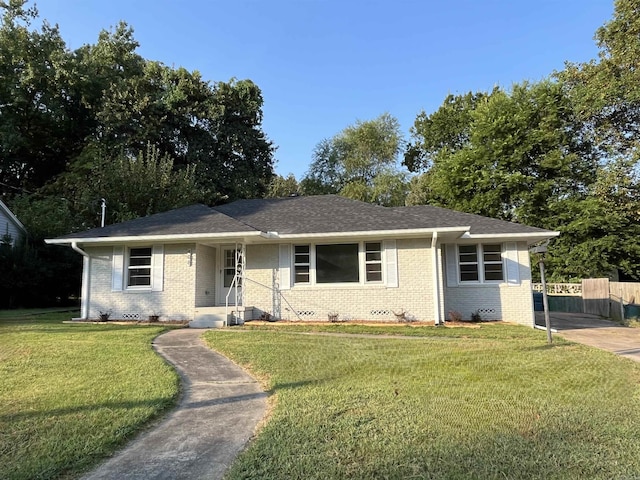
(373, 262)
(128, 266)
(480, 252)
(361, 266)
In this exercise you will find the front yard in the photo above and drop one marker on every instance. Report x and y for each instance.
(488, 402)
(71, 394)
(494, 402)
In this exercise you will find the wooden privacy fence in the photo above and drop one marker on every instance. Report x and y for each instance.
(596, 296)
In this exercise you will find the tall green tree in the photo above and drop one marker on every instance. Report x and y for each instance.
(283, 186)
(524, 155)
(36, 118)
(361, 162)
(133, 186)
(518, 153)
(607, 90)
(59, 107)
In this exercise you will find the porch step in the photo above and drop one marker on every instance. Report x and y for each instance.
(209, 317)
(214, 317)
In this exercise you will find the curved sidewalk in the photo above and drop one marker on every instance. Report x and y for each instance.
(217, 414)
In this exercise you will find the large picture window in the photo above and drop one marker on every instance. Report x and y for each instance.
(356, 262)
(139, 267)
(480, 263)
(337, 263)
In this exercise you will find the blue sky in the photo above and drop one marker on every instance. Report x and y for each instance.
(322, 65)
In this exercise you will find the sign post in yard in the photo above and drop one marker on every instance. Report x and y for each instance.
(542, 249)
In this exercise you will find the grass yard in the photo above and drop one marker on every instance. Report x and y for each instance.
(490, 402)
(72, 394)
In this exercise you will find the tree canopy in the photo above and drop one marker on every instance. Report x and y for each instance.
(360, 162)
(64, 112)
(102, 121)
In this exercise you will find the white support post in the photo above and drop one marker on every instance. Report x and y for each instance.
(84, 294)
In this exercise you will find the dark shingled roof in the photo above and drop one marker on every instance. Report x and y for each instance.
(443, 217)
(301, 215)
(188, 220)
(318, 214)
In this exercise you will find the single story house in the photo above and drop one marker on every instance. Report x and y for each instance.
(307, 258)
(10, 225)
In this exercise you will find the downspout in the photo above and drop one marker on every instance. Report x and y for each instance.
(84, 293)
(436, 279)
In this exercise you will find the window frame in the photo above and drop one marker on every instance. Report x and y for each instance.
(303, 265)
(128, 268)
(481, 263)
(380, 261)
(362, 265)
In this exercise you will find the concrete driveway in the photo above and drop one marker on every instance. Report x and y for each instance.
(596, 332)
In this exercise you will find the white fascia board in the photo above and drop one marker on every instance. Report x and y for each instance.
(398, 233)
(531, 237)
(12, 217)
(152, 238)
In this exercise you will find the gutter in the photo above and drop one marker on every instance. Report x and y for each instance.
(368, 233)
(84, 292)
(74, 245)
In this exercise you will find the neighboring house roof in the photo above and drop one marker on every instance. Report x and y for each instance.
(8, 214)
(298, 216)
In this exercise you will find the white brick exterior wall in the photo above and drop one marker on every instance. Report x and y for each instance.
(510, 303)
(414, 293)
(190, 272)
(175, 302)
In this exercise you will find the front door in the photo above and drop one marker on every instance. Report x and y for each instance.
(231, 262)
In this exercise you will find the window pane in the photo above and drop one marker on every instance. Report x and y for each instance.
(372, 246)
(493, 271)
(301, 274)
(337, 263)
(374, 272)
(228, 277)
(139, 268)
(301, 258)
(301, 262)
(139, 276)
(374, 256)
(469, 273)
(492, 253)
(492, 257)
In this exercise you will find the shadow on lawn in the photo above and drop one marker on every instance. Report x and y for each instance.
(56, 412)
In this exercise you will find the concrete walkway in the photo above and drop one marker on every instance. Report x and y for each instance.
(596, 332)
(217, 414)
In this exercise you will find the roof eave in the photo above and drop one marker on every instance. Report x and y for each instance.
(530, 237)
(151, 238)
(397, 233)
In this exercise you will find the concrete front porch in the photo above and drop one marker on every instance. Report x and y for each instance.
(216, 317)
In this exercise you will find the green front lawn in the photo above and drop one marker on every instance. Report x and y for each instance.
(494, 402)
(71, 394)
